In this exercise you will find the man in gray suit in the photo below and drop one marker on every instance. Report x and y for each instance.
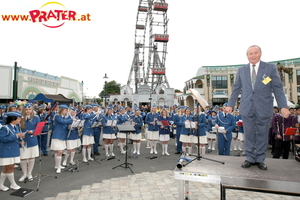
(256, 81)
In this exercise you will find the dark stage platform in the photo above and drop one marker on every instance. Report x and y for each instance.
(212, 172)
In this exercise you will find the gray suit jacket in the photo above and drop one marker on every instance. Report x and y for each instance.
(261, 95)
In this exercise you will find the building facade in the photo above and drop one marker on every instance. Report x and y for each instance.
(215, 83)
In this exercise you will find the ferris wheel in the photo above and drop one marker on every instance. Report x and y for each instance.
(151, 37)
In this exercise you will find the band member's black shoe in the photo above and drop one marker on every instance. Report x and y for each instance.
(178, 153)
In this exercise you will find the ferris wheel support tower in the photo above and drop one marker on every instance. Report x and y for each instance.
(157, 34)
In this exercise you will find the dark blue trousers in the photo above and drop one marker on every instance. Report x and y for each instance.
(42, 141)
(223, 144)
(179, 144)
(97, 132)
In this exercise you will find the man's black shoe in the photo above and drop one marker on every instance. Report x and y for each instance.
(97, 153)
(178, 153)
(45, 154)
(262, 166)
(246, 164)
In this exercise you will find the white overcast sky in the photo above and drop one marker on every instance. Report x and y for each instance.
(202, 32)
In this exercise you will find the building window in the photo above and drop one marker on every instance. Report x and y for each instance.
(298, 77)
(219, 82)
(200, 86)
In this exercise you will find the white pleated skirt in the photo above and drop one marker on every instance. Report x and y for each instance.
(87, 140)
(164, 137)
(58, 145)
(241, 136)
(121, 135)
(9, 161)
(153, 135)
(30, 152)
(134, 136)
(211, 135)
(186, 138)
(234, 134)
(109, 136)
(73, 144)
(202, 139)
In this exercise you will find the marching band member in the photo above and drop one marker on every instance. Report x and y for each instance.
(97, 130)
(176, 119)
(201, 132)
(153, 134)
(164, 131)
(235, 132)
(30, 148)
(88, 132)
(137, 119)
(296, 123)
(226, 120)
(73, 140)
(122, 118)
(282, 142)
(12, 108)
(9, 149)
(240, 137)
(109, 131)
(59, 136)
(211, 137)
(186, 134)
(42, 139)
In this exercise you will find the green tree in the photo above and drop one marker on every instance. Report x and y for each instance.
(176, 90)
(111, 87)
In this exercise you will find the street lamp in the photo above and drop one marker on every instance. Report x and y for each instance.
(105, 95)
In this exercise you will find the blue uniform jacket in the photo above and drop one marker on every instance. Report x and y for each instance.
(227, 122)
(73, 133)
(150, 118)
(240, 128)
(138, 120)
(210, 123)
(61, 127)
(201, 124)
(186, 131)
(30, 140)
(98, 119)
(122, 119)
(47, 126)
(2, 118)
(9, 142)
(176, 120)
(89, 120)
(166, 129)
(108, 129)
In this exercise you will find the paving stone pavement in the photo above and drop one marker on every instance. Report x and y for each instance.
(159, 185)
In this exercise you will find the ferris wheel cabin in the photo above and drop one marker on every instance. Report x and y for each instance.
(138, 26)
(160, 6)
(158, 71)
(143, 9)
(161, 38)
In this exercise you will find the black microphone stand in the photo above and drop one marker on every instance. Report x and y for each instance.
(39, 176)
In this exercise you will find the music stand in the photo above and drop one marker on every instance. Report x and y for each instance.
(39, 177)
(291, 132)
(127, 129)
